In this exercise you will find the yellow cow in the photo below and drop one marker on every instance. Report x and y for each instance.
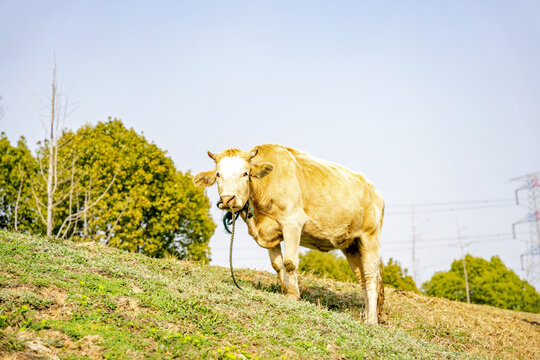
(300, 200)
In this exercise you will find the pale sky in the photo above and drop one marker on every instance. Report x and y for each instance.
(435, 102)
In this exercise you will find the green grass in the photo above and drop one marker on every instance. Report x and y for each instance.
(89, 301)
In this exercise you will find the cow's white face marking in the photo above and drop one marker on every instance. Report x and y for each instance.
(232, 175)
(231, 166)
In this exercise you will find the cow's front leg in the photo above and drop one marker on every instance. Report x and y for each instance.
(291, 241)
(277, 263)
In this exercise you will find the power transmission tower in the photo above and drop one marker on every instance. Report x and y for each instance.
(415, 236)
(464, 263)
(413, 229)
(530, 261)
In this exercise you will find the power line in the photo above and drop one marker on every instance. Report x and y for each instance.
(445, 245)
(430, 211)
(468, 202)
(480, 236)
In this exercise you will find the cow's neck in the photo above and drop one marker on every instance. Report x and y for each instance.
(260, 202)
(250, 209)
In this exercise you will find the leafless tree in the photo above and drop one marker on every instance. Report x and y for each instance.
(60, 172)
(52, 174)
(17, 202)
(2, 110)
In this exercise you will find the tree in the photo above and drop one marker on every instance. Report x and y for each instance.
(328, 265)
(397, 277)
(334, 266)
(490, 283)
(17, 210)
(125, 192)
(49, 183)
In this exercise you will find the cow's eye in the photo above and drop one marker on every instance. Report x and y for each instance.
(246, 174)
(218, 174)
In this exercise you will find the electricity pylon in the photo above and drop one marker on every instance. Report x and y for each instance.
(530, 261)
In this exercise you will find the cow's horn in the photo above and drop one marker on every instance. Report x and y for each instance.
(212, 156)
(253, 154)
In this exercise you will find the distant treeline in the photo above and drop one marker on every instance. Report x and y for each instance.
(489, 282)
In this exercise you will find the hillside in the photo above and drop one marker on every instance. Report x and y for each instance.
(67, 300)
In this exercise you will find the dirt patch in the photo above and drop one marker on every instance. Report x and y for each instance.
(6, 274)
(49, 344)
(17, 290)
(88, 347)
(55, 338)
(35, 347)
(95, 248)
(55, 293)
(88, 244)
(128, 306)
(59, 310)
(136, 289)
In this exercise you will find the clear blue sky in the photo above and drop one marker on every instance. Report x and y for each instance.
(435, 102)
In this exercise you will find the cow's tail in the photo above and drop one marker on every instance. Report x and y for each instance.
(380, 287)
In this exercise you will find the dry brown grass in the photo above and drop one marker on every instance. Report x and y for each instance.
(474, 329)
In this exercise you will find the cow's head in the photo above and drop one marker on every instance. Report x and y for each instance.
(233, 172)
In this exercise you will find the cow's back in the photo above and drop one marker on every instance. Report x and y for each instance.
(338, 203)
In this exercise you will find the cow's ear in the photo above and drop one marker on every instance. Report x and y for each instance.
(205, 178)
(261, 170)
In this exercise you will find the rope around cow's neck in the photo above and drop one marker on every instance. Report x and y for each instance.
(230, 250)
(230, 217)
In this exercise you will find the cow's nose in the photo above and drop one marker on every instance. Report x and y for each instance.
(226, 199)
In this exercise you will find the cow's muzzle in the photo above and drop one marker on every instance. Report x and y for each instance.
(229, 202)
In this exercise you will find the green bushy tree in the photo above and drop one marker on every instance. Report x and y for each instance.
(17, 166)
(397, 277)
(490, 283)
(334, 266)
(327, 264)
(146, 205)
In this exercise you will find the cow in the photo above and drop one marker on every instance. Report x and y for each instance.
(286, 195)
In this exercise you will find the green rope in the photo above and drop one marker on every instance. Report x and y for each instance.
(231, 248)
(228, 220)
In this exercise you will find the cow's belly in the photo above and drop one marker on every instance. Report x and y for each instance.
(316, 243)
(328, 235)
(322, 244)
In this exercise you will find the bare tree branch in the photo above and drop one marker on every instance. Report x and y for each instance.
(39, 204)
(83, 212)
(16, 224)
(106, 190)
(70, 199)
(41, 172)
(110, 234)
(2, 110)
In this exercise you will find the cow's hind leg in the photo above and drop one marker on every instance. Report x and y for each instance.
(276, 258)
(364, 258)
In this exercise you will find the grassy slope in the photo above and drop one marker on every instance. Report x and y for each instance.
(88, 301)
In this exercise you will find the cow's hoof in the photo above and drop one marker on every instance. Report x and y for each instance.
(292, 296)
(372, 320)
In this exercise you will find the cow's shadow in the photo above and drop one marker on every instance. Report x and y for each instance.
(347, 301)
(336, 301)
